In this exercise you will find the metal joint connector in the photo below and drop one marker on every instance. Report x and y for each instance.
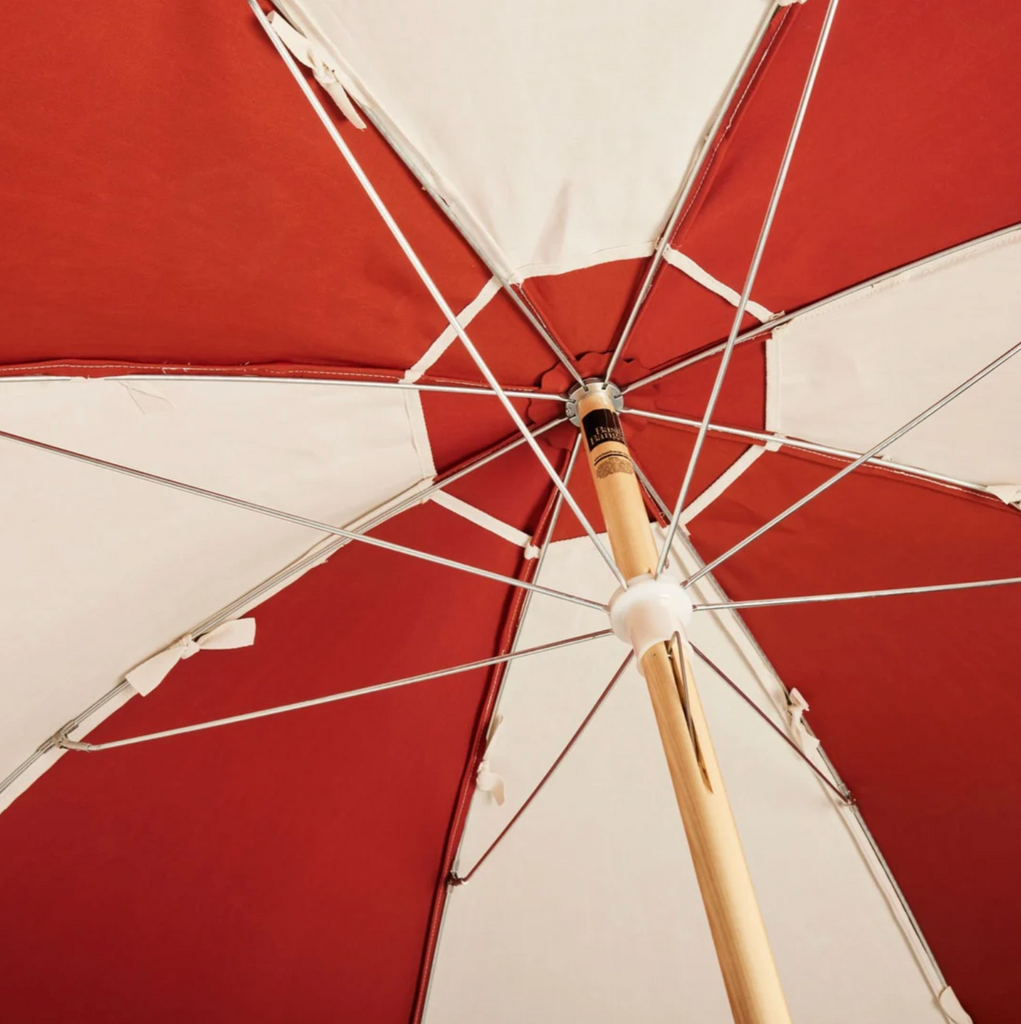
(592, 384)
(61, 741)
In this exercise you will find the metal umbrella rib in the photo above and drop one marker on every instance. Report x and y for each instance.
(312, 524)
(348, 382)
(430, 285)
(456, 879)
(753, 269)
(785, 318)
(333, 698)
(783, 441)
(855, 595)
(688, 183)
(861, 460)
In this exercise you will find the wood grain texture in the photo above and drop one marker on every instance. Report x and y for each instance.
(739, 934)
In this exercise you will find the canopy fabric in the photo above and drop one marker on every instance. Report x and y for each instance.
(589, 907)
(197, 288)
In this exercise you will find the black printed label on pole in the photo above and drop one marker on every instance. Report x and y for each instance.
(602, 426)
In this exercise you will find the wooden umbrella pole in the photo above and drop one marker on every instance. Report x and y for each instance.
(742, 946)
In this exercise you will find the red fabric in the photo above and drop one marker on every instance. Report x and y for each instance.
(171, 197)
(915, 698)
(909, 146)
(507, 342)
(680, 318)
(278, 870)
(586, 308)
(462, 424)
(174, 205)
(742, 398)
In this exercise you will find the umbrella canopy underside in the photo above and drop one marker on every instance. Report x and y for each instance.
(197, 289)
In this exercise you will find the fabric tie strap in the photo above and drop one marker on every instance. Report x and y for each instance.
(486, 780)
(146, 677)
(305, 51)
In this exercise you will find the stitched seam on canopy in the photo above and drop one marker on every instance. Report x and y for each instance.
(892, 469)
(185, 372)
(752, 80)
(458, 819)
(905, 277)
(611, 254)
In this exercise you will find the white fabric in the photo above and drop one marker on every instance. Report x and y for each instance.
(722, 482)
(490, 289)
(589, 911)
(146, 677)
(688, 266)
(148, 397)
(797, 707)
(1009, 494)
(483, 519)
(486, 780)
(124, 566)
(951, 1006)
(852, 372)
(558, 132)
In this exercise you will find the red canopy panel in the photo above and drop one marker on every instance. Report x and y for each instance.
(277, 870)
(171, 198)
(742, 397)
(909, 147)
(176, 204)
(915, 698)
(679, 318)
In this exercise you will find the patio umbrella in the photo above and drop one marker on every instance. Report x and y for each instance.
(394, 397)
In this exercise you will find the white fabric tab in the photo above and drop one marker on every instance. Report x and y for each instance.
(328, 76)
(486, 780)
(1009, 494)
(146, 677)
(483, 519)
(951, 1006)
(449, 336)
(721, 483)
(688, 266)
(796, 708)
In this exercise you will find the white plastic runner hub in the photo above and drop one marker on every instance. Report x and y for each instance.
(649, 612)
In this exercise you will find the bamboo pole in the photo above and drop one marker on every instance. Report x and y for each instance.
(742, 946)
